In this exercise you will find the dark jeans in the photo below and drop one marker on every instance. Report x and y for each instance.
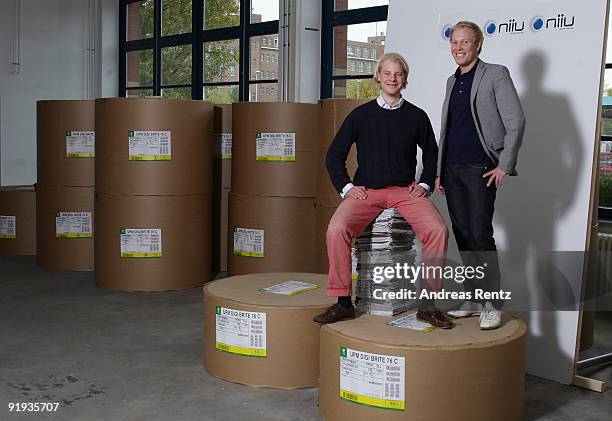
(470, 205)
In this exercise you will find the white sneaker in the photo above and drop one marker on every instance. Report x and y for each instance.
(490, 318)
(467, 309)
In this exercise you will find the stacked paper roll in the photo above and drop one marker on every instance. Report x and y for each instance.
(222, 183)
(271, 206)
(65, 188)
(154, 194)
(18, 220)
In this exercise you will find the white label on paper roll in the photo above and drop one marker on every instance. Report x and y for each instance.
(141, 242)
(372, 379)
(8, 226)
(223, 145)
(290, 288)
(150, 145)
(73, 225)
(240, 332)
(275, 147)
(410, 322)
(249, 242)
(80, 144)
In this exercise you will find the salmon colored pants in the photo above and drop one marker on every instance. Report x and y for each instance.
(354, 215)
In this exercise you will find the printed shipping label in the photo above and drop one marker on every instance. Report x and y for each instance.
(248, 242)
(372, 379)
(410, 322)
(141, 242)
(73, 225)
(8, 226)
(240, 332)
(80, 144)
(223, 145)
(275, 147)
(150, 146)
(290, 288)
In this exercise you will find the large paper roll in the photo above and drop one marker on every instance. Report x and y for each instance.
(153, 146)
(18, 220)
(65, 133)
(152, 243)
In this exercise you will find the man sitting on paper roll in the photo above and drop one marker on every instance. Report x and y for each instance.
(386, 131)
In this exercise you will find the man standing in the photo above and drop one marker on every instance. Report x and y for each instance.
(481, 133)
(386, 131)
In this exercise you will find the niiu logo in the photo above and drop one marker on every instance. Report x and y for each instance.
(446, 32)
(561, 21)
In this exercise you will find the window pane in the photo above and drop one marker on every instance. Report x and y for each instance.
(139, 68)
(176, 65)
(264, 54)
(140, 20)
(221, 60)
(263, 92)
(264, 10)
(358, 47)
(221, 13)
(605, 147)
(176, 93)
(356, 4)
(221, 94)
(176, 17)
(138, 93)
(355, 88)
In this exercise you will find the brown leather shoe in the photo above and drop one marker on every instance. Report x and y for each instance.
(434, 318)
(335, 314)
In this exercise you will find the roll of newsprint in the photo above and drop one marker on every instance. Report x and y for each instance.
(219, 226)
(18, 220)
(65, 138)
(152, 243)
(332, 113)
(270, 234)
(274, 149)
(222, 140)
(65, 227)
(153, 146)
(398, 368)
(258, 329)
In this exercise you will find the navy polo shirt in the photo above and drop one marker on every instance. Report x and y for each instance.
(463, 144)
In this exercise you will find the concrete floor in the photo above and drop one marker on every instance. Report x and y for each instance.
(106, 355)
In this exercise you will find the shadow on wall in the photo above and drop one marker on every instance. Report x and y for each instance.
(528, 209)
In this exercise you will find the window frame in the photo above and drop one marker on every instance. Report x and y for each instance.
(196, 38)
(330, 18)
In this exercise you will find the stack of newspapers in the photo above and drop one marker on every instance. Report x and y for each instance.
(388, 241)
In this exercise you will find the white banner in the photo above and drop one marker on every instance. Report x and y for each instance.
(553, 50)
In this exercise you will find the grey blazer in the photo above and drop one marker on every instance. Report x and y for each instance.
(497, 113)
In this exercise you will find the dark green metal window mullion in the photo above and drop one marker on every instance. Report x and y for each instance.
(245, 50)
(157, 59)
(197, 46)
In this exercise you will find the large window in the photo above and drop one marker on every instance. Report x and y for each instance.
(199, 49)
(353, 37)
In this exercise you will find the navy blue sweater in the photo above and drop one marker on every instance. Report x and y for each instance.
(387, 143)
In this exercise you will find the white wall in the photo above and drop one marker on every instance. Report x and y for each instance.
(57, 40)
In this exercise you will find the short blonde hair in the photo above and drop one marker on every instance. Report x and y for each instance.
(474, 27)
(396, 58)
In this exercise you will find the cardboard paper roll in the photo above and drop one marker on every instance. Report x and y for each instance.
(153, 146)
(263, 339)
(18, 220)
(332, 113)
(282, 160)
(65, 133)
(370, 370)
(222, 138)
(153, 243)
(220, 214)
(64, 227)
(270, 234)
(323, 216)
